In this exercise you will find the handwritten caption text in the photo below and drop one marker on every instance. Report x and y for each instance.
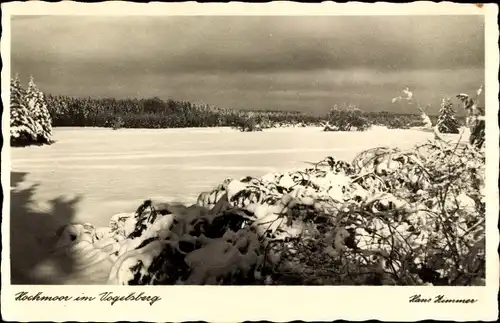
(102, 297)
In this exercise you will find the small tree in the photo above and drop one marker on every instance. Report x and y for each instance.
(22, 125)
(447, 123)
(117, 123)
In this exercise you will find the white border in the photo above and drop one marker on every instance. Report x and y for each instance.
(231, 304)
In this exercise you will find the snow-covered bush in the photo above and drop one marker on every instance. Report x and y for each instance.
(393, 217)
(346, 118)
(248, 124)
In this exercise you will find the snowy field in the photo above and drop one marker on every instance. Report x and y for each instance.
(114, 171)
(90, 174)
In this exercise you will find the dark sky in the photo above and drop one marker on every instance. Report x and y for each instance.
(296, 63)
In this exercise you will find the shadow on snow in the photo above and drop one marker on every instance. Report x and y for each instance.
(34, 232)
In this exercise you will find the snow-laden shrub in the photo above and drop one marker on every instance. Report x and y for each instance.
(248, 124)
(394, 217)
(346, 118)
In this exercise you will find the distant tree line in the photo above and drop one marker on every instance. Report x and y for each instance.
(156, 113)
(33, 115)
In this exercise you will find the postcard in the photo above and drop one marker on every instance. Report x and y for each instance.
(229, 162)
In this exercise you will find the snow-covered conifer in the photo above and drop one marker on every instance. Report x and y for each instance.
(447, 123)
(38, 108)
(22, 125)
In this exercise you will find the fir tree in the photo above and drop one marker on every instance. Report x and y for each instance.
(446, 121)
(38, 108)
(22, 125)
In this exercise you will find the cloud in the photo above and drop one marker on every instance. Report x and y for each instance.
(255, 44)
(225, 60)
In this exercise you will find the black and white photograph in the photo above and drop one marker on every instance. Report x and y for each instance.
(249, 150)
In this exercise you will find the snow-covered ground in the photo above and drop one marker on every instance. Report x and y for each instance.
(114, 171)
(111, 172)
